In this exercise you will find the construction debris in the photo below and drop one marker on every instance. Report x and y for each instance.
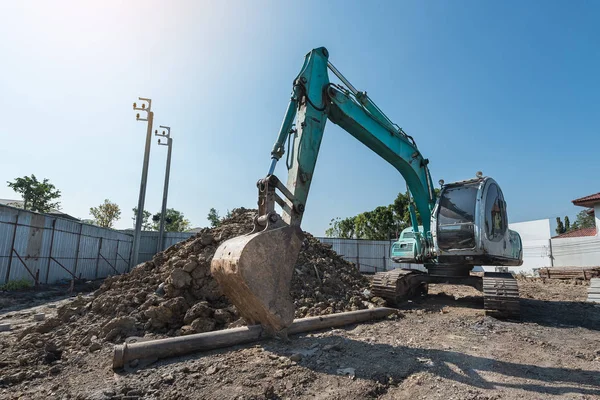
(585, 273)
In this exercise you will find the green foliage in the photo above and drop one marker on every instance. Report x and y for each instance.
(18, 284)
(146, 224)
(585, 220)
(560, 228)
(378, 224)
(213, 218)
(37, 196)
(383, 223)
(106, 214)
(174, 221)
(341, 228)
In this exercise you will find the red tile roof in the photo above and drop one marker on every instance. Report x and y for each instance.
(577, 233)
(587, 201)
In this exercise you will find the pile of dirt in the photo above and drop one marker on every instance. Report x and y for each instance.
(175, 294)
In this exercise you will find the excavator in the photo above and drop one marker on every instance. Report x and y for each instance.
(465, 226)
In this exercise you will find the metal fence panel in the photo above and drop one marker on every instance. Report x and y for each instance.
(149, 243)
(370, 256)
(55, 249)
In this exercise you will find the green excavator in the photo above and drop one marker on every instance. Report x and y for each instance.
(465, 226)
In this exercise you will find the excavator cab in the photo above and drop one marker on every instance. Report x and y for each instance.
(470, 225)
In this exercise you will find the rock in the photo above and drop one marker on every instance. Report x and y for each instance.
(329, 347)
(198, 310)
(211, 370)
(207, 239)
(56, 369)
(296, 357)
(222, 316)
(180, 278)
(190, 266)
(203, 325)
(168, 379)
(48, 325)
(168, 313)
(4, 327)
(39, 317)
(94, 347)
(160, 291)
(381, 302)
(278, 374)
(121, 326)
(187, 330)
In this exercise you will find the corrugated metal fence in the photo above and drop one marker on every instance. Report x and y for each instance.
(370, 256)
(48, 249)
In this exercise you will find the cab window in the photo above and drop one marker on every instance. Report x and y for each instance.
(456, 217)
(495, 214)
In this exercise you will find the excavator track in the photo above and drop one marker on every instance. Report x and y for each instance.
(501, 295)
(398, 285)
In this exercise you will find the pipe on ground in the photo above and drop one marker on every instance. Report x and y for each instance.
(177, 346)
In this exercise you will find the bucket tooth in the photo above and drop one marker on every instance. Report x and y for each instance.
(255, 273)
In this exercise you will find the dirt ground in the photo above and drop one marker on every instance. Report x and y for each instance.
(441, 346)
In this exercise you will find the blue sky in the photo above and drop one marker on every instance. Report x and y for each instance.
(510, 88)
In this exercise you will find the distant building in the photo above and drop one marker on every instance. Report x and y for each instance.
(592, 203)
(52, 212)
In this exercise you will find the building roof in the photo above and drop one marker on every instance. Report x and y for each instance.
(577, 233)
(52, 212)
(587, 201)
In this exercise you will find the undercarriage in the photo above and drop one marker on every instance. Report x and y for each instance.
(500, 290)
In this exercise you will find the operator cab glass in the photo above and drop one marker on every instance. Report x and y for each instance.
(495, 214)
(456, 218)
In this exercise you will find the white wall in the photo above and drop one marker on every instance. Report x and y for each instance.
(576, 252)
(535, 236)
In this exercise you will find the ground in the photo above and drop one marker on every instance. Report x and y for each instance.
(441, 346)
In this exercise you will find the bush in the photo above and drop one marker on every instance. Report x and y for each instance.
(16, 285)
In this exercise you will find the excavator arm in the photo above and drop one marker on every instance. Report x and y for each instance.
(314, 101)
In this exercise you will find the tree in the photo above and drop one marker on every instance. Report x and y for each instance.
(383, 223)
(174, 221)
(378, 224)
(37, 196)
(146, 224)
(567, 224)
(560, 228)
(213, 218)
(585, 220)
(106, 214)
(341, 228)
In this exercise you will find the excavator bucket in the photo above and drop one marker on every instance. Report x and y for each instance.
(255, 273)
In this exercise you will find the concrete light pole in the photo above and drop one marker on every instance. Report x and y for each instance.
(163, 213)
(140, 208)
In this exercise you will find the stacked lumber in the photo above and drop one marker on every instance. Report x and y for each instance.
(585, 273)
(594, 291)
